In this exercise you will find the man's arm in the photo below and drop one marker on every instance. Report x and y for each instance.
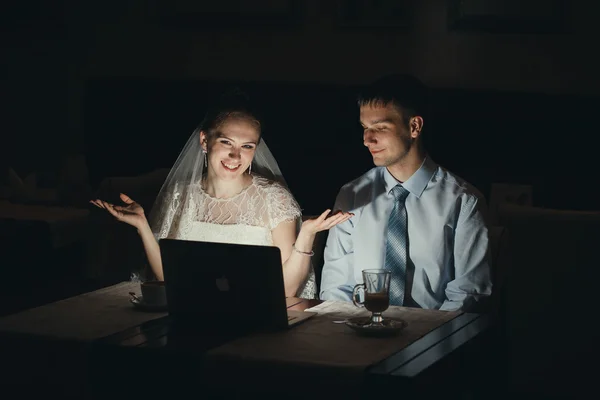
(337, 276)
(472, 284)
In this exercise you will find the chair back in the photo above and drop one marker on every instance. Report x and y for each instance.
(500, 260)
(551, 295)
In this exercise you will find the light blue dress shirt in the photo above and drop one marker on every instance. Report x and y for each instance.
(448, 265)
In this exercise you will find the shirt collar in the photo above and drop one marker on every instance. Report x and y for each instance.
(417, 182)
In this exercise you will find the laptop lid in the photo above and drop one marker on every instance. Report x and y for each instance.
(222, 285)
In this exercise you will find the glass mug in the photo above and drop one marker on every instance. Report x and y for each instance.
(376, 289)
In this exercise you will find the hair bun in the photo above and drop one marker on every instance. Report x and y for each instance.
(232, 102)
(235, 96)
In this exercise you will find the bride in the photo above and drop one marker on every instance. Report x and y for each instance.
(226, 187)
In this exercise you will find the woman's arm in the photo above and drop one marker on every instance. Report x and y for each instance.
(152, 251)
(133, 214)
(296, 266)
(296, 250)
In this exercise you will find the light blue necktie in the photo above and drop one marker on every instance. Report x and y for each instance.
(397, 246)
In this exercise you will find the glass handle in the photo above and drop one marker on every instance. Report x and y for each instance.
(355, 294)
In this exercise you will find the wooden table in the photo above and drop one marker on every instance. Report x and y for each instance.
(437, 356)
(135, 361)
(426, 352)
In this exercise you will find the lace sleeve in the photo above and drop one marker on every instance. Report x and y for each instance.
(281, 205)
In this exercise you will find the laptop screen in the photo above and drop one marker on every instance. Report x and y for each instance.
(223, 284)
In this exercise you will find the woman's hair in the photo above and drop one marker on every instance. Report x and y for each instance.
(233, 104)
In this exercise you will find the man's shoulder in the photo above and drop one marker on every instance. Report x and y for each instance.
(458, 185)
(359, 190)
(364, 181)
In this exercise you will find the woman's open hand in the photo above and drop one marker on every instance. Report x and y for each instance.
(325, 221)
(131, 213)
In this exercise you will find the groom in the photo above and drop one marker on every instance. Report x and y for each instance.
(412, 216)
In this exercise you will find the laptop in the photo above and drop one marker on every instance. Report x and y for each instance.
(222, 285)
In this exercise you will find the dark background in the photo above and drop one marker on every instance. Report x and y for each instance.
(124, 83)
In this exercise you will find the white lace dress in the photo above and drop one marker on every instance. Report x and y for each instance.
(247, 218)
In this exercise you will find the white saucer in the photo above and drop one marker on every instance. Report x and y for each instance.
(388, 327)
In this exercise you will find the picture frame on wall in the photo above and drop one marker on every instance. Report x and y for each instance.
(385, 14)
(230, 14)
(508, 16)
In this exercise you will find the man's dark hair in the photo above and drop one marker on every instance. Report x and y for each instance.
(407, 93)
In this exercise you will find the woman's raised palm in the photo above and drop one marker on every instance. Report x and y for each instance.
(131, 213)
(326, 221)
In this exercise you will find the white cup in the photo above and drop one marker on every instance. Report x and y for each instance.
(154, 293)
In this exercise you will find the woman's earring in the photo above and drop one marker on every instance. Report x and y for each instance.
(250, 169)
(205, 160)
